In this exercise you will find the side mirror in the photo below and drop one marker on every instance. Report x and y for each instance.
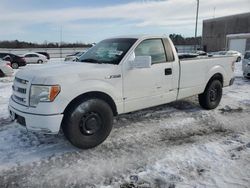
(142, 62)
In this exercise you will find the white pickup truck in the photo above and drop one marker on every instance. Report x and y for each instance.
(118, 75)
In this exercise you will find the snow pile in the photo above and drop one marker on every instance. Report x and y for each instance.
(173, 145)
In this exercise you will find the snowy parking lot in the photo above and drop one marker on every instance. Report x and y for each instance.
(173, 145)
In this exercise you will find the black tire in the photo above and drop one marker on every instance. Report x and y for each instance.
(211, 97)
(238, 59)
(40, 61)
(14, 65)
(88, 123)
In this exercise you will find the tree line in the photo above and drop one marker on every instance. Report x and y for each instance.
(177, 39)
(180, 40)
(23, 44)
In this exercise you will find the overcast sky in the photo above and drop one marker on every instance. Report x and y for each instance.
(91, 21)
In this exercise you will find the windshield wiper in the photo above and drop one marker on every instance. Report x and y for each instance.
(89, 60)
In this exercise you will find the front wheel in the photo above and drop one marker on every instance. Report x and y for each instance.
(211, 97)
(14, 65)
(40, 61)
(88, 123)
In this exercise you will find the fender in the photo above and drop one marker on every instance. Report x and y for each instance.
(217, 69)
(87, 86)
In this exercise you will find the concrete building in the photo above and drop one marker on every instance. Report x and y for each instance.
(216, 30)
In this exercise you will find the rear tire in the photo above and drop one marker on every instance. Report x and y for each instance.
(88, 123)
(238, 59)
(14, 65)
(40, 61)
(211, 97)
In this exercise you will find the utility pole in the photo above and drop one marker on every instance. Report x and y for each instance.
(61, 42)
(197, 15)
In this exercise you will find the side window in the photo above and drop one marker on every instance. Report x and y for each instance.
(34, 55)
(153, 48)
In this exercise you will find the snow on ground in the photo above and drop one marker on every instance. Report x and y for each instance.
(173, 145)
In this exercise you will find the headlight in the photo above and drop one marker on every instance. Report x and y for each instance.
(40, 93)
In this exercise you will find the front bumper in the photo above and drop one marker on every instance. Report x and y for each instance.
(48, 124)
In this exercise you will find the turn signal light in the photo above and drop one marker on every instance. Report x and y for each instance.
(54, 91)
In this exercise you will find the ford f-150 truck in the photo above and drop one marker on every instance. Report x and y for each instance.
(116, 76)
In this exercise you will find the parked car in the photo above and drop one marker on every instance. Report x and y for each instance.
(246, 65)
(74, 56)
(33, 57)
(235, 53)
(5, 68)
(227, 53)
(45, 54)
(201, 53)
(116, 76)
(15, 60)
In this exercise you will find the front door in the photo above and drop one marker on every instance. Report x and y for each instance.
(146, 87)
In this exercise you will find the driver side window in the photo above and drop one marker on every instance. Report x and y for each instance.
(153, 48)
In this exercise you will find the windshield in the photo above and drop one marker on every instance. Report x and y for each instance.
(109, 51)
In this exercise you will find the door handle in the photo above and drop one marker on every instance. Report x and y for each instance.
(168, 71)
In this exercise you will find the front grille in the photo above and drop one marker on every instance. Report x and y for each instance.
(20, 88)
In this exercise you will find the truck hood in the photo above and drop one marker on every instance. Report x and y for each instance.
(55, 73)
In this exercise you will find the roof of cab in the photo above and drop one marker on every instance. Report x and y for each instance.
(142, 36)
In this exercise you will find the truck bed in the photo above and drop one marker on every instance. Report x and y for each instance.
(196, 72)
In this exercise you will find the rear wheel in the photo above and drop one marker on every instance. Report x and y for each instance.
(14, 65)
(88, 123)
(40, 61)
(238, 59)
(211, 97)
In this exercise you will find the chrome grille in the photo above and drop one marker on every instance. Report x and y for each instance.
(20, 88)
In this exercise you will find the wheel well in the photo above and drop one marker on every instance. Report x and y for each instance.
(217, 76)
(94, 94)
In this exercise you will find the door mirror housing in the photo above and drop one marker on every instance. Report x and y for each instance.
(142, 62)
